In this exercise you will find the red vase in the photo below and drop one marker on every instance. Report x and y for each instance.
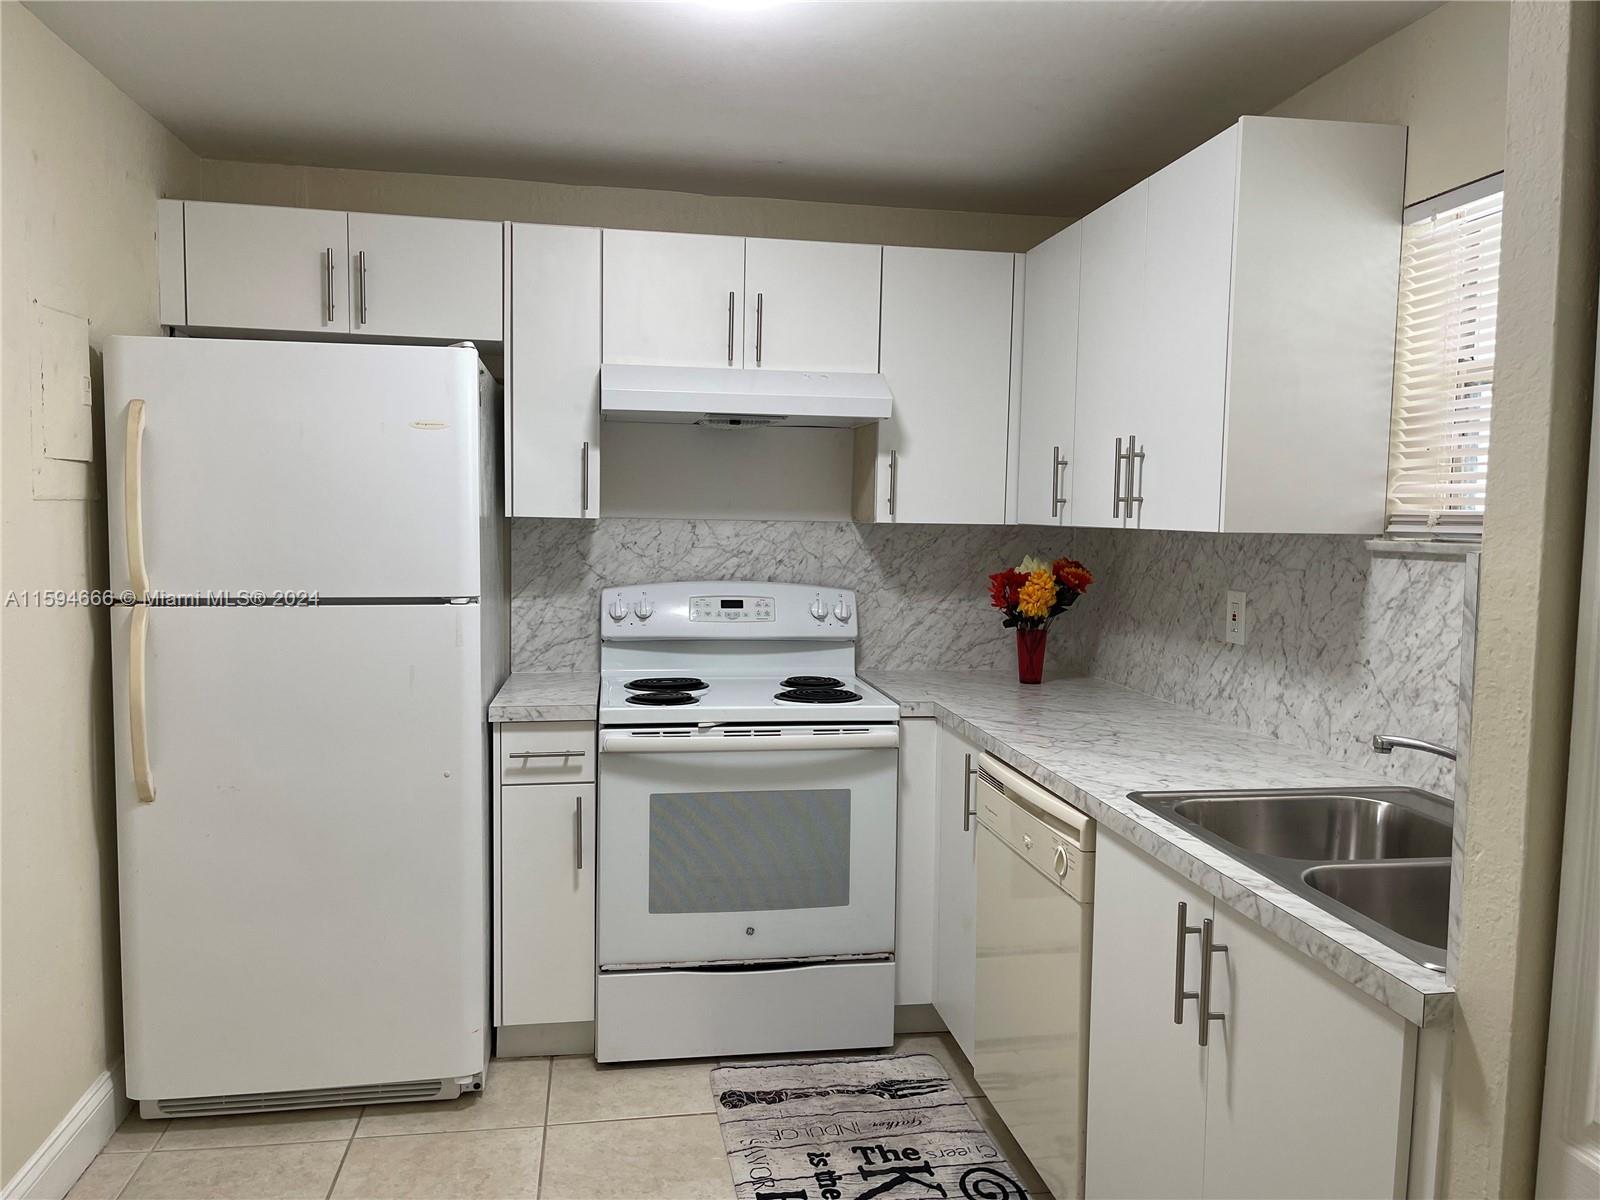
(1030, 655)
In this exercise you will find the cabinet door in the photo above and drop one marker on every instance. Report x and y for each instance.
(553, 366)
(1309, 1082)
(1049, 380)
(426, 277)
(811, 306)
(955, 971)
(1112, 333)
(673, 299)
(545, 867)
(916, 872)
(1189, 265)
(251, 266)
(1147, 1073)
(946, 353)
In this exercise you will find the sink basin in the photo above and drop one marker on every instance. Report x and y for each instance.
(1410, 898)
(1322, 827)
(1376, 857)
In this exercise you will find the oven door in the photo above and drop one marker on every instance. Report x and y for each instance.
(737, 846)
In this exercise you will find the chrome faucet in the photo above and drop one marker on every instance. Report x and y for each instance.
(1387, 743)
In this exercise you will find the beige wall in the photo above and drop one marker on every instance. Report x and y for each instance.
(1445, 77)
(1532, 548)
(80, 170)
(616, 208)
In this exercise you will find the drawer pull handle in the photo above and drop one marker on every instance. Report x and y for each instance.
(526, 754)
(1185, 931)
(1208, 947)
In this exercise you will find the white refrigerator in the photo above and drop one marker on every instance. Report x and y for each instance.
(311, 535)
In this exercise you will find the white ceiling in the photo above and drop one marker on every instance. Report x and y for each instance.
(1044, 107)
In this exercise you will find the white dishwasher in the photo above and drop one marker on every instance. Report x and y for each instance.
(1035, 920)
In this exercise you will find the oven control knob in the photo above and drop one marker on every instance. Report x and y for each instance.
(819, 610)
(642, 610)
(618, 609)
(842, 611)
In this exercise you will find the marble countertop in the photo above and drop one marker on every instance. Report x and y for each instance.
(1093, 742)
(547, 696)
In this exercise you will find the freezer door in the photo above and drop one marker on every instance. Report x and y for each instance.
(304, 900)
(352, 471)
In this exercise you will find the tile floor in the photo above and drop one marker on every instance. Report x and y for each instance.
(561, 1129)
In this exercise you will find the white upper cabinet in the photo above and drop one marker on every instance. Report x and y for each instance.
(426, 277)
(673, 299)
(1189, 263)
(1237, 332)
(299, 270)
(946, 353)
(811, 306)
(1113, 342)
(249, 266)
(553, 372)
(1043, 465)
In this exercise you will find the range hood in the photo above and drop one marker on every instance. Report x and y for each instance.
(738, 397)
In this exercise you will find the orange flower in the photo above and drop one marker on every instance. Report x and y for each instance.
(1071, 574)
(1038, 595)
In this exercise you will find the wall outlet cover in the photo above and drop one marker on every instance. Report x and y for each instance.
(1233, 619)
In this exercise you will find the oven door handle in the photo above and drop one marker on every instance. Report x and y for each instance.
(628, 741)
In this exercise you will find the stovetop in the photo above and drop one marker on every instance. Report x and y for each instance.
(624, 700)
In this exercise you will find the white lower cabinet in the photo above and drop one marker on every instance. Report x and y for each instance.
(955, 961)
(544, 871)
(1304, 1088)
(916, 881)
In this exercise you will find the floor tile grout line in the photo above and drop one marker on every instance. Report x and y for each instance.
(349, 1142)
(544, 1132)
(131, 1174)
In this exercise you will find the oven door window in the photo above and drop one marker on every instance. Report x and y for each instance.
(724, 852)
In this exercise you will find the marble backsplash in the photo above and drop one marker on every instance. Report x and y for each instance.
(1342, 643)
(920, 588)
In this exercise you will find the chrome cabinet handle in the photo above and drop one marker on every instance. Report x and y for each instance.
(584, 480)
(361, 281)
(759, 299)
(1057, 500)
(527, 754)
(1208, 947)
(1116, 481)
(577, 833)
(730, 329)
(1135, 492)
(1185, 931)
(329, 284)
(967, 811)
(894, 479)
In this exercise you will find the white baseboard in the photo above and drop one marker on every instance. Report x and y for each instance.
(54, 1167)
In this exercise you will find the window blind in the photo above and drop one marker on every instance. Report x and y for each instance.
(1444, 365)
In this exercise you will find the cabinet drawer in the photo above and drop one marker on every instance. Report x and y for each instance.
(547, 752)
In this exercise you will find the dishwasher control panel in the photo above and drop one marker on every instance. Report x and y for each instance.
(1053, 837)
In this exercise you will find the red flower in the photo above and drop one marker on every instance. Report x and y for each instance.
(1071, 574)
(1005, 587)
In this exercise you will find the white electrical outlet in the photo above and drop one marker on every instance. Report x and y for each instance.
(1233, 618)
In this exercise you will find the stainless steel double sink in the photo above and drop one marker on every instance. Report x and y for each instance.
(1377, 857)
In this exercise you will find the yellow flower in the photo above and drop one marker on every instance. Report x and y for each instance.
(1038, 595)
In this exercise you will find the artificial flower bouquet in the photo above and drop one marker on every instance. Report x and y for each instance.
(1031, 595)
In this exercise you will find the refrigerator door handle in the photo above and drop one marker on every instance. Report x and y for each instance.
(133, 500)
(138, 730)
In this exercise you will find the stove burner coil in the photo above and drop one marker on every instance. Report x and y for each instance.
(818, 696)
(666, 683)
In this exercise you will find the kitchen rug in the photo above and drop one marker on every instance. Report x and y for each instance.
(893, 1127)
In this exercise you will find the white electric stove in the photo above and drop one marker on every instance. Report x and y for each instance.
(747, 825)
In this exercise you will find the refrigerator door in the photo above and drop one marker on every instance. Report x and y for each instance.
(350, 471)
(304, 899)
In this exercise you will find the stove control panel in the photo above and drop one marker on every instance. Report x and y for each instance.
(727, 609)
(731, 608)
